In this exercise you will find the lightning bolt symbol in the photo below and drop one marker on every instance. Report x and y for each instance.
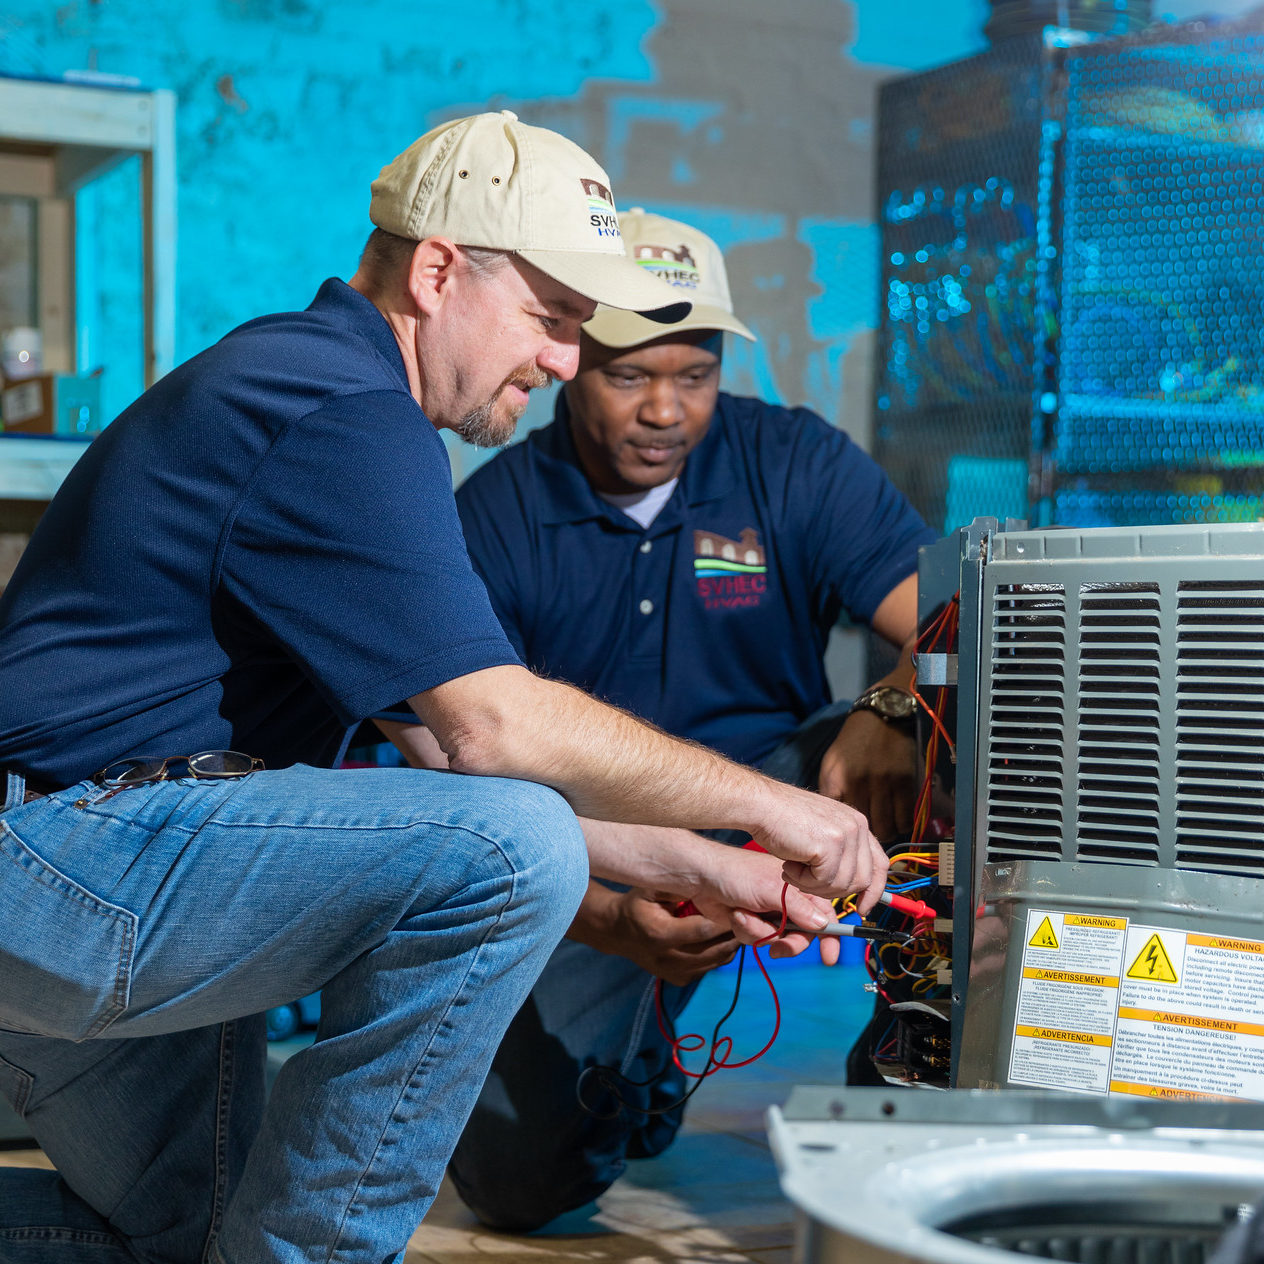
(1152, 957)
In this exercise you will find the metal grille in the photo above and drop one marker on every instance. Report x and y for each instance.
(1122, 698)
(958, 171)
(1220, 726)
(1117, 802)
(1160, 364)
(1066, 1236)
(1229, 497)
(1027, 724)
(1072, 254)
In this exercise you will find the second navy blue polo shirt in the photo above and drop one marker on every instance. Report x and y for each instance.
(713, 621)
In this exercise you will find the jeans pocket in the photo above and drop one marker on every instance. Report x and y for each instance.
(65, 954)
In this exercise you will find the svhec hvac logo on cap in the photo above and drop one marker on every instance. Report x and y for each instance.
(601, 212)
(674, 265)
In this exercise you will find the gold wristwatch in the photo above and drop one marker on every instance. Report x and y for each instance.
(888, 702)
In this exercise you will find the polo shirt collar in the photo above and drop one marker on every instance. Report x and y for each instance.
(357, 313)
(709, 473)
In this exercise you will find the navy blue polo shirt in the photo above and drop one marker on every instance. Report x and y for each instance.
(713, 621)
(261, 551)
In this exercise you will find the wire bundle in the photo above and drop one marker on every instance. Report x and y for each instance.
(907, 1037)
(719, 1047)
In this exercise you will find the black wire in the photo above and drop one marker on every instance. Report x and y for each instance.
(614, 1082)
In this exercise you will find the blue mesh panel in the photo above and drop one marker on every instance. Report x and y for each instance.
(1162, 347)
(1073, 278)
(983, 487)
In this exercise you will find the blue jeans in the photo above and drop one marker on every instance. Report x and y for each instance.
(531, 1151)
(145, 933)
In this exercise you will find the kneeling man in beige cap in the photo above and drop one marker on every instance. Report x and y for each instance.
(259, 553)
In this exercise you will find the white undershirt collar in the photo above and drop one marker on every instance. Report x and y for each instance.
(642, 507)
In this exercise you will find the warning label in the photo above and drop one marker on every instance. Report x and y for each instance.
(1191, 1015)
(1067, 1000)
(1106, 1006)
(1153, 963)
(1044, 936)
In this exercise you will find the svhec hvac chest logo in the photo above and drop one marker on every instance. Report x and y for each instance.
(673, 264)
(729, 574)
(601, 212)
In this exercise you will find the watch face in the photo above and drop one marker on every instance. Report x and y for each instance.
(891, 703)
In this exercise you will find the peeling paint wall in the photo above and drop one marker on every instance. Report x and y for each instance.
(753, 120)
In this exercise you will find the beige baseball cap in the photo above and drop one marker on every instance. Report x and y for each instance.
(492, 181)
(682, 257)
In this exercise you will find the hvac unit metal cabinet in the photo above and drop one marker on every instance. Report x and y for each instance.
(1073, 279)
(1108, 922)
(1110, 810)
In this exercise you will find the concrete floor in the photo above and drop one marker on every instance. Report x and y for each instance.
(713, 1197)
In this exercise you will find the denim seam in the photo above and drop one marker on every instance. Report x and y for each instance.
(25, 1081)
(15, 784)
(639, 1024)
(55, 880)
(224, 1081)
(440, 1026)
(53, 1233)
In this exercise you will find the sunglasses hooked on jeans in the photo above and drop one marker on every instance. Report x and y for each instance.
(216, 765)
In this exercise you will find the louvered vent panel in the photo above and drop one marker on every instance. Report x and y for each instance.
(1118, 740)
(1027, 723)
(1220, 727)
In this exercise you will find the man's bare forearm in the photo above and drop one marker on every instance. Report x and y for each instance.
(504, 721)
(507, 722)
(662, 858)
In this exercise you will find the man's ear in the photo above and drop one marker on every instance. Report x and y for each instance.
(431, 272)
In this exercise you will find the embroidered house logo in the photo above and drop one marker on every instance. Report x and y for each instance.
(729, 573)
(676, 267)
(601, 212)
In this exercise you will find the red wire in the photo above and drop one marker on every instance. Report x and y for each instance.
(722, 1046)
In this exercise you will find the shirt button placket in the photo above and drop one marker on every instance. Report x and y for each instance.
(649, 576)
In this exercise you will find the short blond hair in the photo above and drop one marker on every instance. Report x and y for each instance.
(385, 255)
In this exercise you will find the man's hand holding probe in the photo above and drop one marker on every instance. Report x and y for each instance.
(737, 896)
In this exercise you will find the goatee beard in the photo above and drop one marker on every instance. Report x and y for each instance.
(483, 427)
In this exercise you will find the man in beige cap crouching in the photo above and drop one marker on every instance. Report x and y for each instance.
(259, 553)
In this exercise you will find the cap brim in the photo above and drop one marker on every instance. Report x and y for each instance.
(614, 328)
(611, 279)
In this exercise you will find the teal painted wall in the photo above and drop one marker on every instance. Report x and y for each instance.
(753, 120)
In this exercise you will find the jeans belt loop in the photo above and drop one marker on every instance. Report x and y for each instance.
(14, 791)
(19, 790)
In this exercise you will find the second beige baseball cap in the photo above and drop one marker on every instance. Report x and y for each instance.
(678, 255)
(492, 181)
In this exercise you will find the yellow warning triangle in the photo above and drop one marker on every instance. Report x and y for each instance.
(1153, 962)
(1044, 936)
